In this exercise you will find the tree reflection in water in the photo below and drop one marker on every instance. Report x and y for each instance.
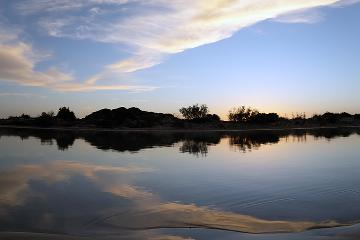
(193, 147)
(196, 143)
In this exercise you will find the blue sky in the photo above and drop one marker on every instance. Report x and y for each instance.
(276, 56)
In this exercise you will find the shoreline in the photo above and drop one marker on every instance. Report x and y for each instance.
(89, 129)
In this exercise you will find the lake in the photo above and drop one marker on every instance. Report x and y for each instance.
(298, 184)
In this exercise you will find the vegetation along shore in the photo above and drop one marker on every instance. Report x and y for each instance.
(192, 117)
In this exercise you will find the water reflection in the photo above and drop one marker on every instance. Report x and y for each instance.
(248, 142)
(194, 147)
(128, 198)
(196, 143)
(75, 198)
(62, 195)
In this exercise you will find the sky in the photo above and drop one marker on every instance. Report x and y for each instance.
(159, 55)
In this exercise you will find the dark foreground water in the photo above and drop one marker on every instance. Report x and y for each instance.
(175, 185)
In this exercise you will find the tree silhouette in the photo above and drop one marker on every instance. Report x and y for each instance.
(194, 112)
(65, 114)
(242, 114)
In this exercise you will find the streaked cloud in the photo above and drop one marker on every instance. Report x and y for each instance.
(154, 29)
(18, 62)
(21, 94)
(31, 7)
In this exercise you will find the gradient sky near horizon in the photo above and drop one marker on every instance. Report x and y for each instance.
(274, 55)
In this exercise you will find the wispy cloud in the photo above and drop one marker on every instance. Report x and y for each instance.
(7, 34)
(31, 7)
(345, 3)
(18, 62)
(150, 30)
(21, 94)
(167, 27)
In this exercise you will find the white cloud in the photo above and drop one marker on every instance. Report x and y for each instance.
(18, 62)
(80, 87)
(137, 62)
(157, 28)
(151, 29)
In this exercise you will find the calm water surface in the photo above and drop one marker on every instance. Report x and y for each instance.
(180, 185)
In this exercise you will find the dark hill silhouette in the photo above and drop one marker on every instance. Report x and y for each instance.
(132, 118)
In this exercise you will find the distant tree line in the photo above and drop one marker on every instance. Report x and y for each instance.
(46, 119)
(193, 116)
(247, 115)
